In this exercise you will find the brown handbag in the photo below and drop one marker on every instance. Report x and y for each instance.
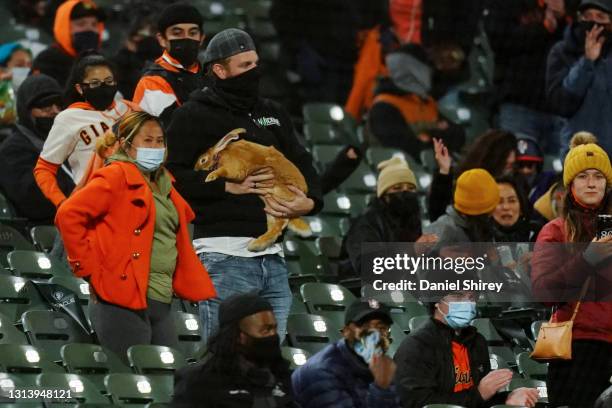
(555, 339)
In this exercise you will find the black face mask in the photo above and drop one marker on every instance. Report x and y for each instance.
(43, 126)
(85, 41)
(263, 350)
(101, 98)
(581, 29)
(185, 51)
(148, 49)
(403, 204)
(242, 90)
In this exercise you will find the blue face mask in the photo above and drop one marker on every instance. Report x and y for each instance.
(149, 159)
(460, 314)
(368, 346)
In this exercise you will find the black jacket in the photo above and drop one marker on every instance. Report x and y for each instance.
(337, 171)
(426, 373)
(19, 153)
(376, 225)
(200, 124)
(198, 386)
(55, 63)
(520, 50)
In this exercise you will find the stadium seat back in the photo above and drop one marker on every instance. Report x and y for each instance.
(311, 332)
(10, 240)
(44, 237)
(13, 296)
(417, 321)
(91, 361)
(324, 134)
(9, 334)
(189, 331)
(133, 390)
(337, 204)
(326, 297)
(151, 359)
(531, 369)
(26, 362)
(36, 265)
(296, 356)
(81, 389)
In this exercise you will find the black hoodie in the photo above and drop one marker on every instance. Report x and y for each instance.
(198, 125)
(20, 151)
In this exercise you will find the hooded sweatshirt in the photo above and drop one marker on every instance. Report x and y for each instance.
(56, 60)
(73, 138)
(19, 152)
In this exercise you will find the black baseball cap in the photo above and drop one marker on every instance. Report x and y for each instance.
(603, 5)
(367, 309)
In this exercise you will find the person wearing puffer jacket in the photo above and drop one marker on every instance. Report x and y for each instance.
(557, 275)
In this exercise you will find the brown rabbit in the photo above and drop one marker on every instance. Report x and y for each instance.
(236, 161)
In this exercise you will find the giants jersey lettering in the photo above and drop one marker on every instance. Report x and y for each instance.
(74, 133)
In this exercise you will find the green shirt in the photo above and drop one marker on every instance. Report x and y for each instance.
(163, 251)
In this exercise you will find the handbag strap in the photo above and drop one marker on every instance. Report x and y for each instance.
(585, 287)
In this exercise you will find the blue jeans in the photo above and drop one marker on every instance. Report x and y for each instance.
(544, 127)
(266, 275)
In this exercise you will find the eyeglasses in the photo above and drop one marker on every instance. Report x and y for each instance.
(95, 83)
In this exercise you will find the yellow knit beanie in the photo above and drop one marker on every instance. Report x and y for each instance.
(585, 154)
(476, 192)
(392, 172)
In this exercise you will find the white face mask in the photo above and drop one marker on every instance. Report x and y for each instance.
(19, 75)
(150, 159)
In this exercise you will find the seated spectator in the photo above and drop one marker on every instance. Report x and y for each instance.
(494, 151)
(528, 168)
(353, 372)
(404, 115)
(513, 214)
(340, 169)
(77, 28)
(393, 216)
(15, 63)
(469, 219)
(139, 48)
(39, 101)
(126, 232)
(446, 361)
(577, 77)
(243, 365)
(167, 83)
(521, 34)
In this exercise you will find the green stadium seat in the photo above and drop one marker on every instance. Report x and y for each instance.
(505, 353)
(497, 362)
(50, 330)
(158, 363)
(330, 247)
(189, 332)
(324, 134)
(311, 332)
(26, 362)
(11, 240)
(7, 211)
(296, 356)
(13, 297)
(397, 337)
(36, 265)
(486, 328)
(297, 305)
(323, 113)
(362, 180)
(91, 361)
(531, 369)
(327, 300)
(359, 203)
(377, 154)
(10, 382)
(9, 334)
(81, 389)
(325, 154)
(417, 321)
(43, 237)
(328, 226)
(443, 406)
(131, 390)
(337, 204)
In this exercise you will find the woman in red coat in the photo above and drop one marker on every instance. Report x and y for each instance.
(126, 232)
(559, 271)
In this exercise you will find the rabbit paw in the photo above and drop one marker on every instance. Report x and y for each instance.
(258, 245)
(211, 177)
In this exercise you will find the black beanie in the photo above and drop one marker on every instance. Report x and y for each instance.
(239, 306)
(179, 13)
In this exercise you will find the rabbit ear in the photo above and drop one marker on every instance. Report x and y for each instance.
(230, 137)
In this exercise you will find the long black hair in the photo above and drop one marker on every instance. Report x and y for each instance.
(78, 73)
(490, 152)
(520, 194)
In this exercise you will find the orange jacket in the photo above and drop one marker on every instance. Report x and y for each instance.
(61, 25)
(107, 228)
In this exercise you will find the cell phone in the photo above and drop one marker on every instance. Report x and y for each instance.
(604, 225)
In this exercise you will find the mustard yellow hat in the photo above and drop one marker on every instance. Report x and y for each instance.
(476, 192)
(585, 154)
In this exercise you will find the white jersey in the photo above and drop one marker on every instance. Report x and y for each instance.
(74, 133)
